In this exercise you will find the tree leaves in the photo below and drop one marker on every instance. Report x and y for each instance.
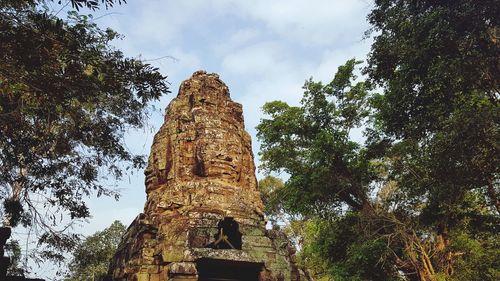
(93, 255)
(67, 97)
(428, 171)
(311, 143)
(426, 53)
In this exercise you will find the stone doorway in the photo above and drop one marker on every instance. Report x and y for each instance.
(228, 236)
(227, 270)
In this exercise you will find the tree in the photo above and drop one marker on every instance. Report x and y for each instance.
(311, 143)
(384, 210)
(428, 55)
(66, 99)
(438, 62)
(419, 197)
(331, 177)
(269, 188)
(13, 250)
(92, 257)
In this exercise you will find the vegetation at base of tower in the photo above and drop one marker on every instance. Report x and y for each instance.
(92, 257)
(419, 199)
(269, 188)
(67, 97)
(13, 251)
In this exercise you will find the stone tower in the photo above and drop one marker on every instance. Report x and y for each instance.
(203, 219)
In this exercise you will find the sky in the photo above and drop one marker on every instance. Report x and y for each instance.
(263, 50)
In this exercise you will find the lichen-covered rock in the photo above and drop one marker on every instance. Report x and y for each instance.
(203, 217)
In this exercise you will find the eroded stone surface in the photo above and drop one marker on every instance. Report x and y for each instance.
(200, 179)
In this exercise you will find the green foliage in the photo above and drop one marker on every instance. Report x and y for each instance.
(311, 143)
(92, 257)
(429, 55)
(398, 207)
(341, 250)
(270, 188)
(438, 64)
(13, 251)
(67, 97)
(329, 173)
(477, 257)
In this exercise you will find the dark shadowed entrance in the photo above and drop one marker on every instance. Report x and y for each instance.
(226, 270)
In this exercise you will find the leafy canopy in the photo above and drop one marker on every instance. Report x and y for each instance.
(438, 64)
(92, 257)
(429, 55)
(67, 97)
(311, 143)
(418, 197)
(331, 177)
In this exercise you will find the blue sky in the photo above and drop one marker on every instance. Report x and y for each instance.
(263, 50)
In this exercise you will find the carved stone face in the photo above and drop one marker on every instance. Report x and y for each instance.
(219, 155)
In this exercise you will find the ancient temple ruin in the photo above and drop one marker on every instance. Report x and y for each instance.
(203, 219)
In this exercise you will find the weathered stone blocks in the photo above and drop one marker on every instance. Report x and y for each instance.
(204, 216)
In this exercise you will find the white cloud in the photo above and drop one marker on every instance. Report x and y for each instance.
(261, 59)
(309, 22)
(238, 39)
(155, 21)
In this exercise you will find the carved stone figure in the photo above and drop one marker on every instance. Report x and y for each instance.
(203, 219)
